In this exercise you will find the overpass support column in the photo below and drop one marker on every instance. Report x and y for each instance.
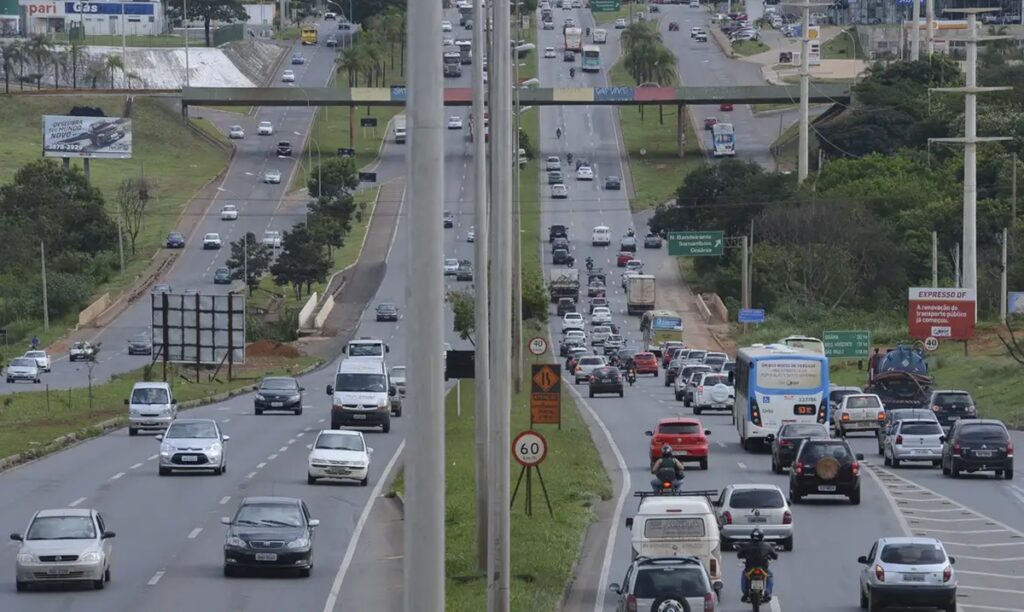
(681, 129)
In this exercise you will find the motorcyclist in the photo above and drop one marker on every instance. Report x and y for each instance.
(667, 469)
(558, 132)
(572, 73)
(570, 364)
(590, 264)
(756, 554)
(35, 342)
(631, 233)
(568, 157)
(570, 260)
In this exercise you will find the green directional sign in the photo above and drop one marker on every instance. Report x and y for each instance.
(696, 244)
(604, 6)
(850, 344)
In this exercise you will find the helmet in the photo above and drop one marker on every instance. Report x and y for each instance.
(757, 535)
(666, 451)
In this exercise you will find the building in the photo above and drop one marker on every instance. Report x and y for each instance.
(10, 18)
(132, 17)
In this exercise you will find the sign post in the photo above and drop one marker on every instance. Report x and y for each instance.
(696, 244)
(546, 394)
(529, 449)
(849, 344)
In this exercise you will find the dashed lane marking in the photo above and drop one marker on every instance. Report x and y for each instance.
(76, 502)
(250, 474)
(135, 466)
(117, 475)
(151, 457)
(259, 466)
(272, 457)
(282, 449)
(225, 499)
(742, 465)
(156, 578)
(194, 533)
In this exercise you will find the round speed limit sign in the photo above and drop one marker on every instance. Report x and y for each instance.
(931, 343)
(538, 345)
(529, 448)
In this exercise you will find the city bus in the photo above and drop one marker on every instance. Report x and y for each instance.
(804, 342)
(775, 385)
(465, 51)
(573, 39)
(591, 61)
(660, 326)
(723, 139)
(309, 35)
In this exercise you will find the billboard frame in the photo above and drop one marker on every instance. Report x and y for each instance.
(198, 329)
(108, 137)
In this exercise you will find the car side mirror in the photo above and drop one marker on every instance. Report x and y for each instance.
(387, 348)
(942, 439)
(769, 438)
(629, 523)
(17, 537)
(344, 350)
(952, 560)
(108, 535)
(314, 522)
(369, 450)
(863, 560)
(330, 389)
(255, 387)
(717, 586)
(225, 520)
(125, 402)
(707, 432)
(225, 438)
(649, 433)
(859, 456)
(159, 437)
(302, 388)
(614, 587)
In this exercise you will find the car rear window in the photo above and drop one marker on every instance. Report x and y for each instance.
(656, 582)
(591, 361)
(982, 432)
(814, 452)
(696, 355)
(948, 399)
(715, 380)
(674, 528)
(679, 428)
(913, 554)
(757, 498)
(803, 430)
(863, 402)
(837, 396)
(921, 428)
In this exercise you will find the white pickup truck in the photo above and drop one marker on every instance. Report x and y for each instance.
(858, 412)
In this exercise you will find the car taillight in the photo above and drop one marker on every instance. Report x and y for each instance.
(972, 409)
(787, 518)
(785, 443)
(936, 408)
(879, 573)
(1009, 449)
(631, 603)
(823, 410)
(726, 518)
(947, 573)
(700, 389)
(956, 448)
(755, 413)
(845, 417)
(709, 603)
(855, 468)
(881, 416)
(799, 468)
(899, 439)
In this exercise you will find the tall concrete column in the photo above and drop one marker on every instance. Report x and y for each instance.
(915, 39)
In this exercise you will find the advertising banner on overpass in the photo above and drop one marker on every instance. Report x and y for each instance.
(941, 313)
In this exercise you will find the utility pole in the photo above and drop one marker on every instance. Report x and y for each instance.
(517, 242)
(46, 307)
(970, 141)
(929, 15)
(957, 276)
(498, 552)
(745, 272)
(185, 19)
(424, 526)
(1002, 279)
(245, 261)
(805, 86)
(482, 318)
(1013, 192)
(120, 241)
(915, 36)
(935, 259)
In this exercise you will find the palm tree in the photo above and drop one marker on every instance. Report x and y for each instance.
(10, 54)
(134, 76)
(60, 62)
(78, 57)
(38, 50)
(96, 70)
(113, 63)
(663, 66)
(349, 62)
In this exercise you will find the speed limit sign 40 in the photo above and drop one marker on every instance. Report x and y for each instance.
(529, 448)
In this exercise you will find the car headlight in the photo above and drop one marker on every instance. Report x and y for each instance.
(260, 397)
(358, 464)
(237, 542)
(133, 412)
(383, 403)
(299, 543)
(166, 449)
(295, 398)
(26, 558)
(91, 557)
(214, 449)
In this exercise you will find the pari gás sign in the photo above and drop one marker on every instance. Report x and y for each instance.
(41, 8)
(946, 314)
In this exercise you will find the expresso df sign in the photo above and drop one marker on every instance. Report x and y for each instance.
(942, 313)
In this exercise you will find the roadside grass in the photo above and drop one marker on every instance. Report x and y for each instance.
(608, 18)
(528, 64)
(289, 33)
(765, 108)
(786, 149)
(842, 47)
(195, 39)
(658, 173)
(747, 48)
(529, 197)
(176, 162)
(239, 110)
(32, 419)
(794, 79)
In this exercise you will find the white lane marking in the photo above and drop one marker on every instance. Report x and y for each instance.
(1011, 577)
(151, 457)
(321, 420)
(250, 474)
(774, 604)
(350, 551)
(292, 441)
(272, 457)
(259, 466)
(309, 446)
(299, 435)
(225, 420)
(224, 499)
(117, 475)
(76, 502)
(156, 578)
(742, 465)
(282, 449)
(989, 589)
(223, 408)
(961, 605)
(195, 532)
(721, 444)
(310, 428)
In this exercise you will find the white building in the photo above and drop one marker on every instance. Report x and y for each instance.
(132, 17)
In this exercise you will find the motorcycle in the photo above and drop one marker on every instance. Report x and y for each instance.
(590, 264)
(572, 73)
(631, 377)
(758, 578)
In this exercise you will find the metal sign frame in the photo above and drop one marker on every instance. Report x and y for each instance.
(198, 329)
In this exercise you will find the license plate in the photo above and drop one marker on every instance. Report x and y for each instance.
(359, 417)
(983, 453)
(680, 452)
(953, 418)
(189, 459)
(276, 404)
(266, 556)
(757, 585)
(827, 488)
(58, 571)
(757, 519)
(913, 578)
(338, 471)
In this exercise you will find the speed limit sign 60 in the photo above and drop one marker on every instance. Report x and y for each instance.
(529, 448)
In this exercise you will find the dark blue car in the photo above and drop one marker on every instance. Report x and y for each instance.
(175, 240)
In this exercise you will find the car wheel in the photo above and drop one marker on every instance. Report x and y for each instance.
(165, 471)
(937, 463)
(310, 479)
(335, 424)
(704, 464)
(686, 400)
(132, 431)
(9, 381)
(863, 600)
(874, 605)
(775, 466)
(895, 461)
(622, 394)
(98, 584)
(945, 470)
(787, 544)
(224, 468)
(229, 571)
(666, 381)
(591, 394)
(259, 411)
(794, 496)
(954, 469)
(679, 397)
(1008, 474)
(38, 380)
(304, 572)
(885, 459)
(855, 497)
(106, 575)
(697, 410)
(386, 427)
(298, 411)
(950, 607)
(365, 481)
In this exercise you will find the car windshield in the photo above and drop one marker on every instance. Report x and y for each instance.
(983, 433)
(340, 442)
(141, 338)
(863, 402)
(591, 361)
(654, 583)
(837, 396)
(279, 384)
(62, 528)
(757, 498)
(792, 431)
(152, 395)
(950, 399)
(35, 354)
(269, 515)
(921, 428)
(386, 307)
(714, 359)
(696, 355)
(815, 452)
(206, 431)
(22, 362)
(398, 372)
(361, 383)
(913, 554)
(679, 428)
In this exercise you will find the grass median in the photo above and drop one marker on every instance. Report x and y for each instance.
(32, 419)
(747, 48)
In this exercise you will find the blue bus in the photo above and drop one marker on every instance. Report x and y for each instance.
(591, 59)
(776, 384)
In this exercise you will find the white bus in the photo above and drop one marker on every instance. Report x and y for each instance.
(591, 61)
(723, 139)
(775, 385)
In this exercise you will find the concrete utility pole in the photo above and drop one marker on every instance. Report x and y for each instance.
(915, 39)
(482, 319)
(970, 141)
(745, 272)
(517, 242)
(499, 557)
(185, 21)
(929, 14)
(805, 86)
(1002, 279)
(424, 581)
(935, 259)
(46, 307)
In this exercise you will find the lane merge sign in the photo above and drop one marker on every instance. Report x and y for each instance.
(696, 244)
(546, 394)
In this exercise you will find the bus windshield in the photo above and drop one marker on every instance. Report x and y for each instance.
(308, 35)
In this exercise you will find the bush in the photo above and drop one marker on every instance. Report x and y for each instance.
(535, 296)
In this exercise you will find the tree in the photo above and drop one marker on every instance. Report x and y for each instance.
(302, 261)
(38, 51)
(208, 11)
(249, 260)
(858, 133)
(132, 199)
(337, 177)
(463, 305)
(10, 55)
(112, 64)
(96, 70)
(77, 56)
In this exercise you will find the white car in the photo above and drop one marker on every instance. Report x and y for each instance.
(272, 239)
(694, 30)
(919, 566)
(742, 508)
(713, 392)
(549, 52)
(236, 131)
(446, 26)
(471, 234)
(23, 368)
(570, 22)
(64, 545)
(447, 41)
(229, 212)
(341, 454)
(601, 236)
(265, 128)
(272, 177)
(587, 364)
(572, 320)
(549, 25)
(82, 351)
(211, 241)
(601, 315)
(552, 162)
(585, 173)
(634, 265)
(578, 334)
(451, 267)
(454, 123)
(559, 191)
(42, 359)
(288, 76)
(858, 412)
(620, 24)
(598, 334)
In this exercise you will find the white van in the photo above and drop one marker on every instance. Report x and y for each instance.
(602, 236)
(400, 130)
(366, 348)
(600, 36)
(151, 407)
(677, 525)
(361, 395)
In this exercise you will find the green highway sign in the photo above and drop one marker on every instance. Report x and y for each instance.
(855, 344)
(696, 244)
(604, 6)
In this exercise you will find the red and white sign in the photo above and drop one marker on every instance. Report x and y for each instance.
(529, 448)
(944, 314)
(41, 8)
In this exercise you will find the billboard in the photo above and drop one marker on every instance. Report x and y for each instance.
(944, 314)
(97, 137)
(1015, 302)
(191, 328)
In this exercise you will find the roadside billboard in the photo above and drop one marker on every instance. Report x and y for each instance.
(1015, 303)
(98, 137)
(941, 313)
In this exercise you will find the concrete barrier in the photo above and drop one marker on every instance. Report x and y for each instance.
(325, 311)
(717, 308)
(306, 314)
(93, 311)
(702, 309)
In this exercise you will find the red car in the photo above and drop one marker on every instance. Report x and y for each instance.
(666, 351)
(725, 106)
(709, 122)
(685, 435)
(646, 363)
(624, 258)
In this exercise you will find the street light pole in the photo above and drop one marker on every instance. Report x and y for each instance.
(185, 17)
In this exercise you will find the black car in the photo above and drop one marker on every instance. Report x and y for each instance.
(222, 276)
(825, 467)
(387, 311)
(175, 240)
(606, 380)
(672, 370)
(565, 305)
(952, 406)
(140, 345)
(284, 148)
(278, 393)
(652, 241)
(465, 272)
(628, 244)
(978, 445)
(570, 343)
(559, 243)
(269, 533)
(560, 257)
(557, 231)
(788, 439)
(449, 219)
(613, 183)
(331, 41)
(596, 289)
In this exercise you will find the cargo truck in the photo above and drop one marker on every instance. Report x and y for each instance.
(564, 283)
(640, 293)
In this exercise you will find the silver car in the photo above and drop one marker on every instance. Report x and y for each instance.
(668, 580)
(272, 177)
(903, 572)
(742, 508)
(64, 545)
(193, 444)
(914, 440)
(23, 368)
